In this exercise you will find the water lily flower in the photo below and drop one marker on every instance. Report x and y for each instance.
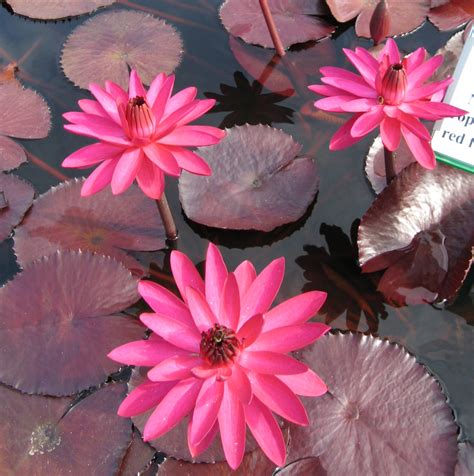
(389, 92)
(219, 356)
(142, 135)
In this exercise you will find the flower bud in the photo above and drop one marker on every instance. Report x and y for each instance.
(380, 22)
(140, 118)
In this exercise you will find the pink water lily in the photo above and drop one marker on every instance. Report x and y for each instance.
(389, 92)
(143, 135)
(219, 356)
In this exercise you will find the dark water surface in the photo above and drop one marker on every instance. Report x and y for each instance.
(318, 244)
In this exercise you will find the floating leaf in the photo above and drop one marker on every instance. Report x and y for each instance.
(420, 228)
(256, 170)
(383, 411)
(305, 466)
(295, 21)
(405, 15)
(59, 319)
(465, 466)
(137, 458)
(452, 15)
(44, 436)
(55, 9)
(103, 223)
(451, 52)
(17, 197)
(108, 45)
(12, 155)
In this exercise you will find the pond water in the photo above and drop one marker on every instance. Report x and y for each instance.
(317, 248)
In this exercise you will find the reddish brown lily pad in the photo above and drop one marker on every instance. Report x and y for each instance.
(137, 458)
(65, 310)
(404, 15)
(452, 14)
(383, 411)
(420, 228)
(17, 197)
(257, 170)
(295, 20)
(42, 436)
(305, 466)
(465, 466)
(102, 223)
(55, 9)
(12, 155)
(108, 45)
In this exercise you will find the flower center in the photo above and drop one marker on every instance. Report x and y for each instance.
(140, 118)
(394, 85)
(219, 345)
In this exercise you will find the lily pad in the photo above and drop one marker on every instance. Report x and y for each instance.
(102, 223)
(12, 155)
(304, 466)
(44, 436)
(137, 458)
(465, 466)
(65, 310)
(383, 411)
(257, 170)
(404, 15)
(16, 198)
(420, 228)
(55, 9)
(108, 45)
(295, 20)
(452, 15)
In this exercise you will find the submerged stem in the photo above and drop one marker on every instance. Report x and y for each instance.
(389, 165)
(167, 218)
(272, 27)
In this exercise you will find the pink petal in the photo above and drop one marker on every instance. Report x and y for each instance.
(296, 310)
(266, 431)
(89, 106)
(200, 108)
(420, 74)
(175, 332)
(359, 105)
(164, 302)
(367, 70)
(325, 90)
(215, 274)
(193, 136)
(172, 409)
(245, 275)
(335, 72)
(367, 122)
(251, 330)
(173, 120)
(342, 138)
(154, 89)
(117, 92)
(99, 178)
(100, 124)
(275, 395)
(391, 49)
(151, 180)
(415, 126)
(232, 428)
(202, 314)
(113, 134)
(181, 98)
(135, 86)
(333, 103)
(204, 444)
(162, 98)
(420, 149)
(177, 367)
(229, 311)
(190, 161)
(352, 87)
(206, 371)
(126, 170)
(145, 396)
(91, 155)
(162, 158)
(424, 92)
(431, 111)
(185, 273)
(390, 133)
(367, 58)
(290, 338)
(108, 103)
(146, 353)
(270, 363)
(239, 384)
(415, 59)
(307, 384)
(263, 290)
(205, 412)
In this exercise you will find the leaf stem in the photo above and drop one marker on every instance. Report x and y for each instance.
(272, 27)
(167, 218)
(389, 165)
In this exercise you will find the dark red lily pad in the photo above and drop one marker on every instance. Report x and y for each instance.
(256, 169)
(108, 45)
(420, 228)
(17, 197)
(383, 411)
(305, 466)
(404, 15)
(65, 310)
(102, 223)
(55, 9)
(452, 15)
(295, 20)
(12, 155)
(43, 436)
(465, 466)
(137, 458)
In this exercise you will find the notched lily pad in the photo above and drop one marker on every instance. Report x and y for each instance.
(65, 309)
(257, 181)
(108, 45)
(12, 155)
(452, 14)
(295, 20)
(420, 228)
(137, 458)
(465, 466)
(16, 197)
(383, 411)
(103, 223)
(43, 435)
